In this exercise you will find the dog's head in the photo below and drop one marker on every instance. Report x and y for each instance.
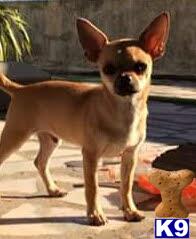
(126, 64)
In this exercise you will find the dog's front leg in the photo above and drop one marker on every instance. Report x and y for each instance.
(128, 165)
(94, 211)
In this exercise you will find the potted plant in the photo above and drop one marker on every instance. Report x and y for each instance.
(14, 38)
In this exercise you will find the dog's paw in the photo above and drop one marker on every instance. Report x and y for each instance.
(97, 219)
(133, 216)
(57, 192)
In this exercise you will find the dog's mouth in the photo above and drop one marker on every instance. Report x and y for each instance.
(126, 92)
(123, 88)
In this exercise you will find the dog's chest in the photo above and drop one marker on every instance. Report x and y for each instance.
(125, 132)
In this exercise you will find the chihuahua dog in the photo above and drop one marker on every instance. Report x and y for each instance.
(105, 120)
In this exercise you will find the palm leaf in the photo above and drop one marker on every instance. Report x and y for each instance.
(4, 46)
(1, 52)
(13, 41)
(26, 47)
(26, 43)
(21, 28)
(15, 15)
(14, 37)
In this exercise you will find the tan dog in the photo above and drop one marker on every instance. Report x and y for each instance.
(106, 120)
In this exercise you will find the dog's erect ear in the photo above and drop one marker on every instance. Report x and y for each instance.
(91, 39)
(154, 37)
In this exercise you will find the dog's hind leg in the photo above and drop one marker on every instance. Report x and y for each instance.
(48, 143)
(12, 139)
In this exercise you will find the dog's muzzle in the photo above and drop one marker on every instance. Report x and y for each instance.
(124, 85)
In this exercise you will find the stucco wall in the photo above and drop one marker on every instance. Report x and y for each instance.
(55, 42)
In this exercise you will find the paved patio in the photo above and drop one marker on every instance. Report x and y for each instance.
(27, 212)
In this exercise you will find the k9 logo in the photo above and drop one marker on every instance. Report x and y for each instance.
(172, 228)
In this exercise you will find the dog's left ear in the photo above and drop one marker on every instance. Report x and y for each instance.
(91, 38)
(154, 38)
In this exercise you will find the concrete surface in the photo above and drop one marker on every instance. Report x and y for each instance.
(27, 212)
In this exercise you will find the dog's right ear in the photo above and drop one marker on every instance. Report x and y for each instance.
(91, 38)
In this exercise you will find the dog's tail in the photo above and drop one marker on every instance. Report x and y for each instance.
(7, 85)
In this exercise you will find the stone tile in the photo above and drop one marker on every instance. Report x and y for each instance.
(61, 160)
(32, 220)
(157, 134)
(189, 136)
(69, 179)
(159, 130)
(15, 157)
(31, 230)
(30, 145)
(140, 197)
(180, 119)
(189, 110)
(27, 154)
(11, 168)
(161, 107)
(165, 125)
(169, 140)
(26, 186)
(109, 197)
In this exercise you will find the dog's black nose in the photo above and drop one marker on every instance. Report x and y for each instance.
(124, 85)
(125, 79)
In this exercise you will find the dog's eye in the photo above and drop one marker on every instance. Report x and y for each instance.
(139, 67)
(109, 69)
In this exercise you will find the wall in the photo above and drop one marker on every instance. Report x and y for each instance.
(55, 42)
